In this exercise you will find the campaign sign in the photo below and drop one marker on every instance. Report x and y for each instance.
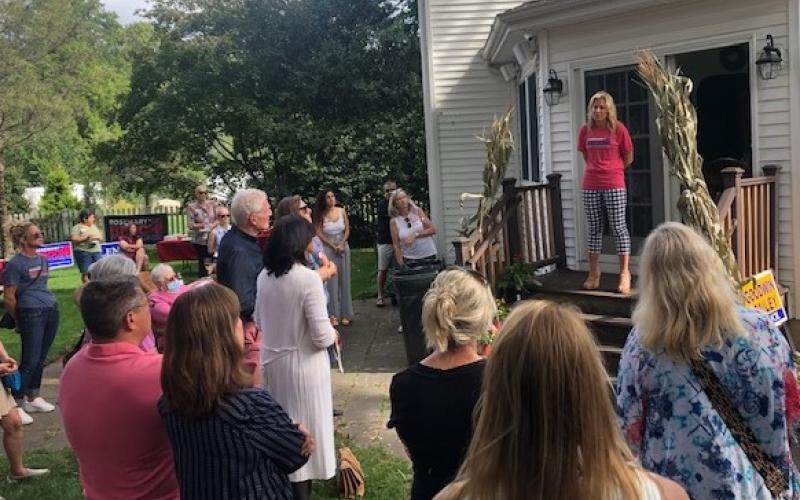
(109, 248)
(761, 292)
(151, 227)
(58, 255)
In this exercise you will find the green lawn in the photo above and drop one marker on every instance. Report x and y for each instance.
(64, 282)
(387, 477)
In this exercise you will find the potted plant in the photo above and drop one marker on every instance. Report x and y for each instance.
(519, 280)
(486, 340)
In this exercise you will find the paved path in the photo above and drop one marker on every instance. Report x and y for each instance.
(372, 353)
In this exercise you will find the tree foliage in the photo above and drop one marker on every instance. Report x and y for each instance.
(57, 192)
(53, 79)
(285, 95)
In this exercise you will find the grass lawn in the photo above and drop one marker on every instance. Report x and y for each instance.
(64, 282)
(387, 477)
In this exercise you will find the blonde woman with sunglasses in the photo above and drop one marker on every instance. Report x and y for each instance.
(412, 231)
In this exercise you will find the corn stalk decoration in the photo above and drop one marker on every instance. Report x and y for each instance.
(499, 144)
(677, 125)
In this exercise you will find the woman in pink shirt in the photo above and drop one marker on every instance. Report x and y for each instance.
(169, 286)
(607, 150)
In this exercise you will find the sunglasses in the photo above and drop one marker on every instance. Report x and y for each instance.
(391, 190)
(223, 215)
(407, 221)
(475, 274)
(304, 208)
(202, 192)
(35, 235)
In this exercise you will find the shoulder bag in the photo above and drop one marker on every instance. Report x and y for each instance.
(773, 477)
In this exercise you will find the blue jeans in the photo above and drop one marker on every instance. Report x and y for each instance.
(37, 328)
(86, 259)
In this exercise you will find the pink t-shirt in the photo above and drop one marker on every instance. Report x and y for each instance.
(160, 304)
(605, 156)
(108, 400)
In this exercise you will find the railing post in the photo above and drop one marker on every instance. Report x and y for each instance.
(459, 252)
(732, 178)
(773, 171)
(557, 214)
(510, 219)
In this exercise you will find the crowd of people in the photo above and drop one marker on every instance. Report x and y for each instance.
(222, 388)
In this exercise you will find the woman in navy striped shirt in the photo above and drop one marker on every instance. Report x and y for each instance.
(229, 441)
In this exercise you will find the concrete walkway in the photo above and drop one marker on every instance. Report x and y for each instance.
(372, 352)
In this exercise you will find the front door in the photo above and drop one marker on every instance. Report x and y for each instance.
(644, 178)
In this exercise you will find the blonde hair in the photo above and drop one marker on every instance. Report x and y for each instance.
(393, 211)
(456, 310)
(685, 301)
(546, 427)
(611, 121)
(17, 231)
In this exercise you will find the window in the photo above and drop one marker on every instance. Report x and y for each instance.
(529, 129)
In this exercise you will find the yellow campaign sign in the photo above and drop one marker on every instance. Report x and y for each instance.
(761, 292)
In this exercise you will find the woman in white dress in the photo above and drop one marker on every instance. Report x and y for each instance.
(290, 309)
(333, 228)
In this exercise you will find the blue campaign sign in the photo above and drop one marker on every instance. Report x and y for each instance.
(109, 248)
(58, 255)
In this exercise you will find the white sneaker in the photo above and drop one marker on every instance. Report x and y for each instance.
(24, 417)
(38, 405)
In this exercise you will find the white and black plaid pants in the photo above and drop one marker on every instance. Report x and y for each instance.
(613, 203)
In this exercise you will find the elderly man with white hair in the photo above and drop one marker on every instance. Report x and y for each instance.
(240, 261)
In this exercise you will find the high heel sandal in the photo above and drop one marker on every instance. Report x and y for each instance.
(624, 283)
(592, 282)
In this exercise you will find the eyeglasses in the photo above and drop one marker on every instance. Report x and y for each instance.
(202, 192)
(475, 274)
(36, 235)
(138, 306)
(408, 221)
(222, 216)
(304, 208)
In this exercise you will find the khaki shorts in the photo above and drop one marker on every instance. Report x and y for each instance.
(385, 256)
(7, 402)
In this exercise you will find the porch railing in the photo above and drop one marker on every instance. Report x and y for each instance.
(526, 224)
(748, 210)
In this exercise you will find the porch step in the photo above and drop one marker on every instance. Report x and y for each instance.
(567, 286)
(611, 357)
(609, 330)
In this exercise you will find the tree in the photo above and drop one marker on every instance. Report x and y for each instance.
(49, 49)
(287, 96)
(57, 192)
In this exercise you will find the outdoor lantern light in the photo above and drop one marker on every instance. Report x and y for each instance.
(553, 90)
(769, 61)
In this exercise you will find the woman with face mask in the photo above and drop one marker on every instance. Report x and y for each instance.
(169, 286)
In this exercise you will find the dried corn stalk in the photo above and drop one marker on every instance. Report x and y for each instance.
(499, 144)
(677, 125)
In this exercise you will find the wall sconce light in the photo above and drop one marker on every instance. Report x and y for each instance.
(769, 62)
(553, 90)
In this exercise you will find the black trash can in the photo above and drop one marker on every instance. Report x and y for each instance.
(410, 284)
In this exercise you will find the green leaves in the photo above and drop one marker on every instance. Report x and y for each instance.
(283, 95)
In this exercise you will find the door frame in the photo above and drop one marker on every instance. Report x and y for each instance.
(666, 52)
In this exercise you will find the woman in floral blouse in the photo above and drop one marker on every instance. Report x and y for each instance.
(687, 309)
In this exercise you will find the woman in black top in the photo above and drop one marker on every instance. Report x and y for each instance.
(229, 441)
(433, 400)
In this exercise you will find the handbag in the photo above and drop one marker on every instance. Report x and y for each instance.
(7, 322)
(351, 475)
(773, 477)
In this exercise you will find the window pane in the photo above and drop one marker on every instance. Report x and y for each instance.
(638, 120)
(523, 129)
(636, 90)
(615, 85)
(594, 83)
(533, 129)
(641, 154)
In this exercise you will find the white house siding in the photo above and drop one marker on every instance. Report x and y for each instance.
(464, 96)
(668, 30)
